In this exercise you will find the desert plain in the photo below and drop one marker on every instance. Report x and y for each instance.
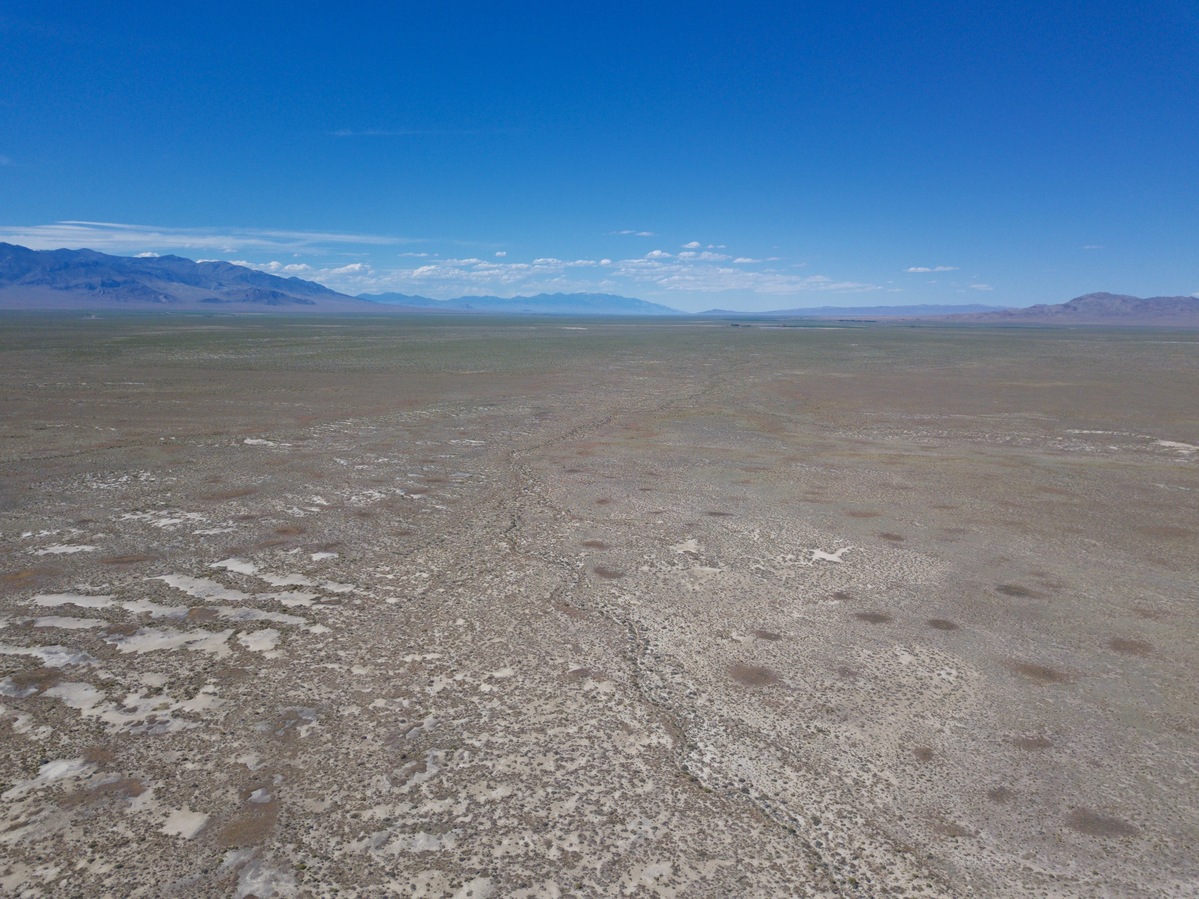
(470, 607)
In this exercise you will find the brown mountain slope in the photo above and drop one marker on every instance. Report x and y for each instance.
(1099, 309)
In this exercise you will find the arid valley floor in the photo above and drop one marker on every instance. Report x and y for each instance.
(467, 607)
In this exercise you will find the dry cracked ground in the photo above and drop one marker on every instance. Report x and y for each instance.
(476, 608)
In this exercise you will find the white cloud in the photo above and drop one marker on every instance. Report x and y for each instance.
(146, 255)
(1094, 246)
(935, 268)
(354, 268)
(463, 277)
(701, 276)
(693, 245)
(981, 287)
(633, 233)
(303, 270)
(745, 260)
(654, 275)
(501, 253)
(297, 269)
(117, 238)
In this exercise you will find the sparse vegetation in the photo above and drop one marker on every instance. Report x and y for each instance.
(347, 591)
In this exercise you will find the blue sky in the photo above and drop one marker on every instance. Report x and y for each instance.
(693, 154)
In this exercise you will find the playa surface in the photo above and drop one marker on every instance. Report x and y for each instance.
(552, 608)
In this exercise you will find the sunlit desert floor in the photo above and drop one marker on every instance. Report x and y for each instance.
(466, 607)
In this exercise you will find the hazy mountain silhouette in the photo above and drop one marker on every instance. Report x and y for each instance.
(89, 280)
(863, 311)
(1100, 309)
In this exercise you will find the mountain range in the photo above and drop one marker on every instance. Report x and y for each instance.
(1099, 309)
(92, 281)
(85, 279)
(864, 311)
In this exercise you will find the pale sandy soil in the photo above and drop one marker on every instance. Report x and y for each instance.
(469, 608)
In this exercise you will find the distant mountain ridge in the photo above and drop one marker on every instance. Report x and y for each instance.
(858, 311)
(92, 281)
(542, 303)
(1100, 309)
(86, 279)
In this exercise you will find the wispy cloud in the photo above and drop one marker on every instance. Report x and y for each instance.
(1094, 246)
(298, 269)
(416, 132)
(934, 268)
(632, 233)
(981, 287)
(118, 238)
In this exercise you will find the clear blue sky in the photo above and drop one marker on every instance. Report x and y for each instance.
(696, 154)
